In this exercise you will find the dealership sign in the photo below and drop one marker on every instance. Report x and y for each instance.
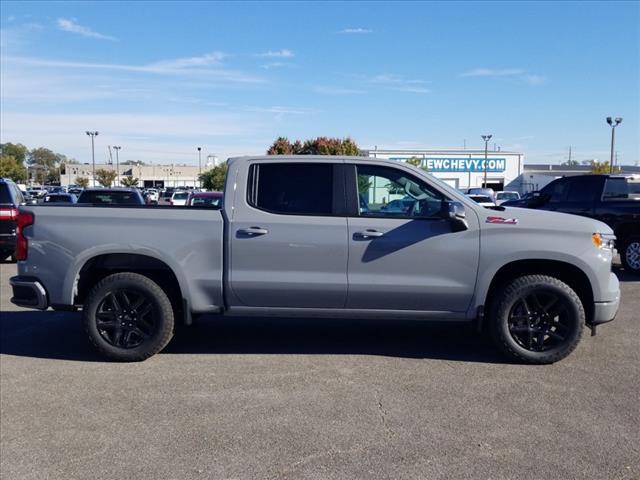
(461, 164)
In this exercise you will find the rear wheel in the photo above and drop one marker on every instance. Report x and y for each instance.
(630, 254)
(128, 317)
(537, 319)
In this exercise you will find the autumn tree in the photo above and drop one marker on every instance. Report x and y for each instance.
(16, 150)
(82, 182)
(105, 177)
(315, 146)
(602, 167)
(214, 179)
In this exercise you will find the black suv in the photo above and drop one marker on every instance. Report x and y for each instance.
(10, 199)
(612, 199)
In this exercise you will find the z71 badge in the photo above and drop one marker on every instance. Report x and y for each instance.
(507, 221)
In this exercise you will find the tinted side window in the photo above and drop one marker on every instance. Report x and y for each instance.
(292, 188)
(583, 189)
(5, 196)
(619, 188)
(557, 191)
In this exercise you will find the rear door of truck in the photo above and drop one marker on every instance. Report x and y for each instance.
(287, 235)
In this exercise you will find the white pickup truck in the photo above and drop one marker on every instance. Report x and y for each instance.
(313, 236)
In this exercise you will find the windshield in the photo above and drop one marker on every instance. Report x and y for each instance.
(109, 198)
(480, 199)
(507, 196)
(213, 201)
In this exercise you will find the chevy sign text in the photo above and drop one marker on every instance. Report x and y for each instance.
(460, 164)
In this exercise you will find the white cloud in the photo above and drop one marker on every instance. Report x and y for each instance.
(70, 25)
(282, 110)
(204, 66)
(400, 83)
(489, 72)
(284, 53)
(333, 90)
(519, 73)
(358, 30)
(269, 66)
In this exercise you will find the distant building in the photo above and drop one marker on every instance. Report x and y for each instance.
(149, 175)
(463, 168)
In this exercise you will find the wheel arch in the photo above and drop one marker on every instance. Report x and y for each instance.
(568, 273)
(97, 267)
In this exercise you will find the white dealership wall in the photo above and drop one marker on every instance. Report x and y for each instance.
(462, 168)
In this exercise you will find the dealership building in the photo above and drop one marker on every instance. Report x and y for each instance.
(465, 168)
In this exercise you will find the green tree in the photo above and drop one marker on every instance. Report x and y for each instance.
(130, 181)
(16, 150)
(82, 182)
(214, 179)
(105, 177)
(11, 168)
(45, 164)
(415, 161)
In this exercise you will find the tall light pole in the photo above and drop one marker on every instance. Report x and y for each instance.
(613, 123)
(486, 139)
(93, 155)
(117, 149)
(199, 166)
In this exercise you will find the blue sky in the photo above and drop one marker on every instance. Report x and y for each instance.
(161, 78)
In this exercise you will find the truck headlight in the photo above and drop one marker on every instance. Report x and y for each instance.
(606, 241)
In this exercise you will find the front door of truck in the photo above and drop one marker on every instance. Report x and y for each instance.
(402, 254)
(288, 236)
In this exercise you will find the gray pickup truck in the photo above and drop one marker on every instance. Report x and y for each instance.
(316, 236)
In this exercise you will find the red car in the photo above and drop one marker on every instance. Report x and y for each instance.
(205, 199)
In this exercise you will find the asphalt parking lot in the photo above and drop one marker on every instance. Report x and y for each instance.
(250, 398)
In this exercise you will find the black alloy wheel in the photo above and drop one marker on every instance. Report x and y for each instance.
(125, 318)
(538, 321)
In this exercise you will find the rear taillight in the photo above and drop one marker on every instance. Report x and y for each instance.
(23, 220)
(8, 213)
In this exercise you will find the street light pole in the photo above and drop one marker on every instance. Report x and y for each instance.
(613, 123)
(117, 149)
(486, 139)
(93, 155)
(199, 166)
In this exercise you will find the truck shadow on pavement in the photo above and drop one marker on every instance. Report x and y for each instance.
(60, 336)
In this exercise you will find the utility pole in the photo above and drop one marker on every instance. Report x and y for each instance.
(486, 139)
(464, 144)
(117, 149)
(613, 123)
(93, 155)
(199, 167)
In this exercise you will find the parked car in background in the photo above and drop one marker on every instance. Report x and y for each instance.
(179, 198)
(612, 199)
(213, 199)
(37, 192)
(487, 192)
(75, 190)
(291, 240)
(165, 195)
(151, 196)
(10, 198)
(61, 198)
(111, 196)
(483, 200)
(505, 196)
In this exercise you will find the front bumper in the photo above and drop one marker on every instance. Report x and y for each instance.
(604, 312)
(28, 292)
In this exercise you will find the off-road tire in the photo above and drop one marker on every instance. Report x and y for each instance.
(161, 311)
(503, 303)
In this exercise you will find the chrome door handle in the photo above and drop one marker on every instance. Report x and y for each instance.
(253, 231)
(368, 234)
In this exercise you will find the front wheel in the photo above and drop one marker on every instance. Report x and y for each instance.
(537, 319)
(630, 254)
(128, 317)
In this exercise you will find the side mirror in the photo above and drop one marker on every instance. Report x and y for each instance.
(454, 212)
